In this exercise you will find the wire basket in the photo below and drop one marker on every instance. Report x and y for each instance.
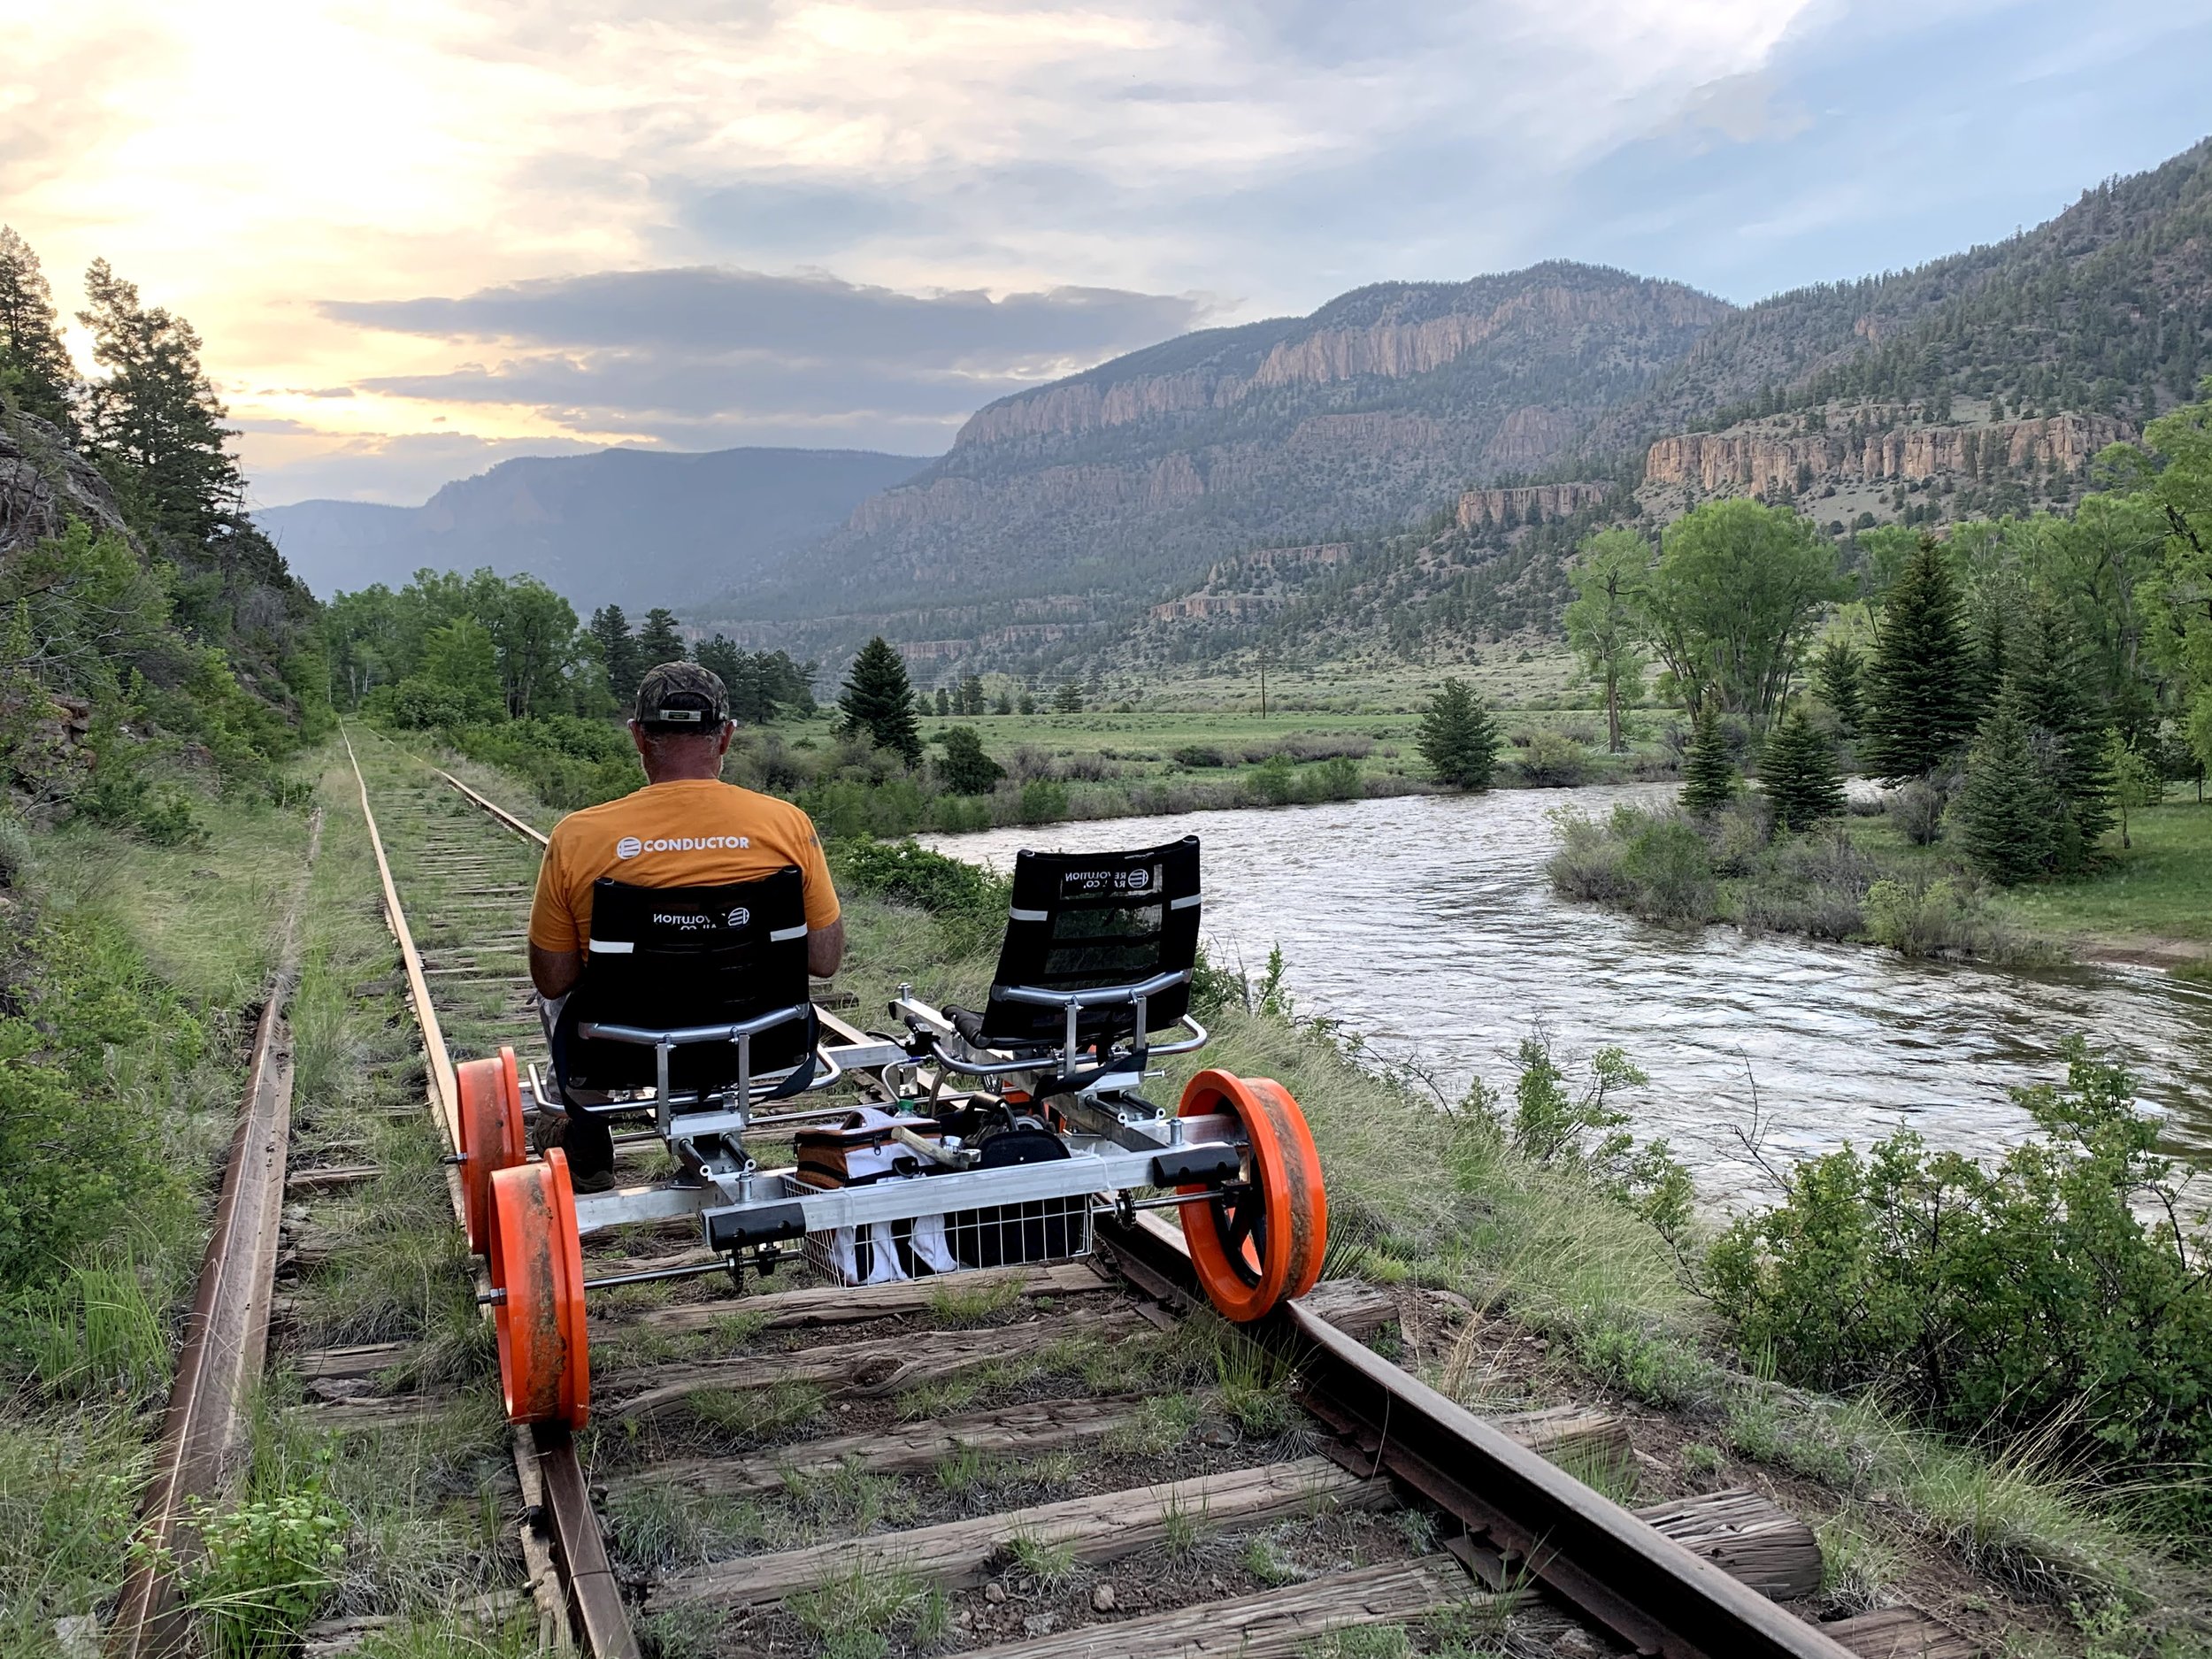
(998, 1235)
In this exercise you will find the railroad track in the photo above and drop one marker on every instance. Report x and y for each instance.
(1059, 1459)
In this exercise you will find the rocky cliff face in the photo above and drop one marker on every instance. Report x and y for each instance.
(1133, 479)
(1532, 503)
(1759, 457)
(44, 483)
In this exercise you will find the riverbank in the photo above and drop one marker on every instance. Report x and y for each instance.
(1075, 767)
(1862, 880)
(1528, 1277)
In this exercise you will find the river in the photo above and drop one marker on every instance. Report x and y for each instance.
(1425, 923)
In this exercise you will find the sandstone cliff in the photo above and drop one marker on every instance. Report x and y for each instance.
(1532, 504)
(1758, 458)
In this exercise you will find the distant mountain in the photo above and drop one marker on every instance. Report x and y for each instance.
(637, 527)
(1982, 383)
(1126, 480)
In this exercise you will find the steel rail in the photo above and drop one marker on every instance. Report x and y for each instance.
(1538, 1521)
(226, 1334)
(593, 1597)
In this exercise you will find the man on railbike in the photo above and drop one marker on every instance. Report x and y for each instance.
(684, 829)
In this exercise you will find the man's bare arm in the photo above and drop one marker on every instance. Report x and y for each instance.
(555, 973)
(825, 949)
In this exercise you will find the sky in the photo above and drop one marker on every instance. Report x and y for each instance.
(421, 236)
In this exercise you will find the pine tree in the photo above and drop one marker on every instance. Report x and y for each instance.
(1458, 738)
(2007, 810)
(153, 419)
(34, 366)
(972, 695)
(1798, 772)
(618, 652)
(877, 702)
(2064, 733)
(1918, 709)
(1709, 780)
(944, 703)
(1837, 672)
(658, 641)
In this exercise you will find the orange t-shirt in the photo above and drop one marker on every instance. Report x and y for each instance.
(696, 832)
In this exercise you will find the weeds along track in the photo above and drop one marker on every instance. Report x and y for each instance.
(1077, 1458)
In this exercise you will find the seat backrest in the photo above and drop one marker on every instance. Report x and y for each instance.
(1079, 921)
(664, 958)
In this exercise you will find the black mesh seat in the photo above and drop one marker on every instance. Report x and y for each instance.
(1091, 921)
(667, 959)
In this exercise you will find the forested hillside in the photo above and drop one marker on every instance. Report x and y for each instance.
(145, 624)
(627, 526)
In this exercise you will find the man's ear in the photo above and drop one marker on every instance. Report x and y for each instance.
(637, 737)
(729, 731)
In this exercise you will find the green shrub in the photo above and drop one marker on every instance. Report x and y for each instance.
(79, 1149)
(1044, 800)
(1335, 778)
(1666, 860)
(1555, 760)
(2028, 1301)
(912, 874)
(1274, 781)
(966, 769)
(268, 1564)
(1198, 756)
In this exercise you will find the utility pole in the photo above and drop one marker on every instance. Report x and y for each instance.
(1262, 682)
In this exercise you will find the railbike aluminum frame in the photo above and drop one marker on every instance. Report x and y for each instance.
(1116, 1141)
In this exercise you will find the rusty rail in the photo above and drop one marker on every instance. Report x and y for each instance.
(593, 1601)
(226, 1334)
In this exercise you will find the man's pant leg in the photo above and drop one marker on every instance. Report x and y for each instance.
(586, 1139)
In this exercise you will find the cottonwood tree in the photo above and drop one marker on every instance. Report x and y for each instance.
(1728, 607)
(966, 769)
(1603, 622)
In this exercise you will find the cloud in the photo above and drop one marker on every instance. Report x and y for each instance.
(707, 351)
(1004, 189)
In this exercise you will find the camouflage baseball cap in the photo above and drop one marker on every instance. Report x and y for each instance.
(678, 697)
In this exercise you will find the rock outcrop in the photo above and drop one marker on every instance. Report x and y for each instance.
(44, 482)
(1527, 503)
(1757, 456)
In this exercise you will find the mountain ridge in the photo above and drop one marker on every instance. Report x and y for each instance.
(636, 527)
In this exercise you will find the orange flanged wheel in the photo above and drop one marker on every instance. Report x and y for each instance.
(537, 1263)
(1262, 1245)
(491, 1134)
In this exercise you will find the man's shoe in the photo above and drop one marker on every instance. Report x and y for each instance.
(591, 1181)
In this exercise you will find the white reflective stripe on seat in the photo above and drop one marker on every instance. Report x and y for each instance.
(1029, 916)
(612, 947)
(1183, 904)
(783, 934)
